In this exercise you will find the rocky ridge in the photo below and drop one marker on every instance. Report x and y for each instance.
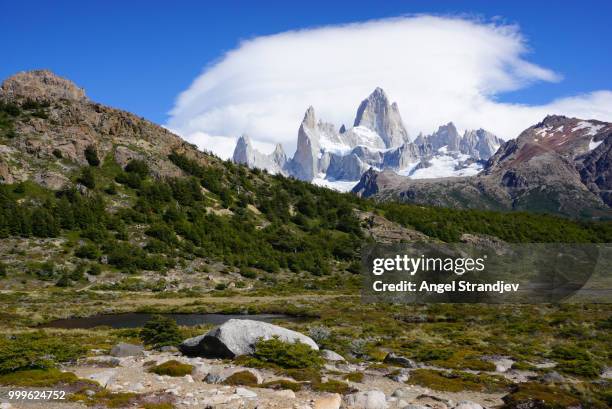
(58, 123)
(560, 165)
(377, 139)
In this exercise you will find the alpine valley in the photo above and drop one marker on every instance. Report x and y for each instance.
(107, 218)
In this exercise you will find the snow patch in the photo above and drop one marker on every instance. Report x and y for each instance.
(592, 128)
(446, 166)
(594, 145)
(338, 185)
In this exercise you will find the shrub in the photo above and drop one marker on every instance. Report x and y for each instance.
(160, 331)
(287, 355)
(319, 334)
(332, 386)
(138, 167)
(37, 350)
(244, 378)
(172, 368)
(354, 376)
(91, 155)
(88, 250)
(282, 384)
(535, 395)
(87, 178)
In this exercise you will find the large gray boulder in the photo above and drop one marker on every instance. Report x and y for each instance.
(238, 337)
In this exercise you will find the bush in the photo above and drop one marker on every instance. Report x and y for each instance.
(172, 368)
(89, 251)
(87, 178)
(91, 155)
(161, 331)
(282, 384)
(138, 167)
(287, 355)
(332, 386)
(38, 350)
(244, 378)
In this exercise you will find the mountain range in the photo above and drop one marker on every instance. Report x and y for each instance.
(378, 139)
(560, 165)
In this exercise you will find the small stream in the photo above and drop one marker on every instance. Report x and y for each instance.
(138, 319)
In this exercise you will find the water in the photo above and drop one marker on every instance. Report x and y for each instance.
(138, 319)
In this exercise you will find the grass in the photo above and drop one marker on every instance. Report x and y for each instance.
(354, 377)
(107, 398)
(172, 368)
(332, 386)
(282, 384)
(38, 377)
(457, 381)
(242, 378)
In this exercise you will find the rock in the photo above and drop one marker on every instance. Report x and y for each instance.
(393, 359)
(367, 400)
(189, 378)
(168, 348)
(238, 337)
(379, 115)
(220, 375)
(414, 406)
(467, 404)
(332, 356)
(104, 378)
(136, 387)
(285, 394)
(245, 393)
(404, 393)
(5, 405)
(553, 377)
(502, 363)
(122, 350)
(245, 153)
(331, 401)
(401, 375)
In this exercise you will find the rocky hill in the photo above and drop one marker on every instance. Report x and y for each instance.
(47, 124)
(560, 165)
(378, 138)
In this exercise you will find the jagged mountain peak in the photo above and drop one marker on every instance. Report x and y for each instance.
(40, 85)
(310, 117)
(377, 114)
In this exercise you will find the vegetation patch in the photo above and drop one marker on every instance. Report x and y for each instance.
(107, 398)
(244, 378)
(332, 386)
(354, 377)
(38, 377)
(535, 395)
(457, 381)
(161, 331)
(172, 368)
(282, 384)
(286, 354)
(37, 350)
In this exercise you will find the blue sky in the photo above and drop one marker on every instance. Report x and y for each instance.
(139, 55)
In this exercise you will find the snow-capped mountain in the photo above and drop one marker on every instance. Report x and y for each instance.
(378, 139)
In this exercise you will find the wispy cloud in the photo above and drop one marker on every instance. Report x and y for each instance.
(438, 69)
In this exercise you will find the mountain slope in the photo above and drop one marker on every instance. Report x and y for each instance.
(560, 165)
(55, 123)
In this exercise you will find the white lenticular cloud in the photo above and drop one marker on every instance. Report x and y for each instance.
(438, 69)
